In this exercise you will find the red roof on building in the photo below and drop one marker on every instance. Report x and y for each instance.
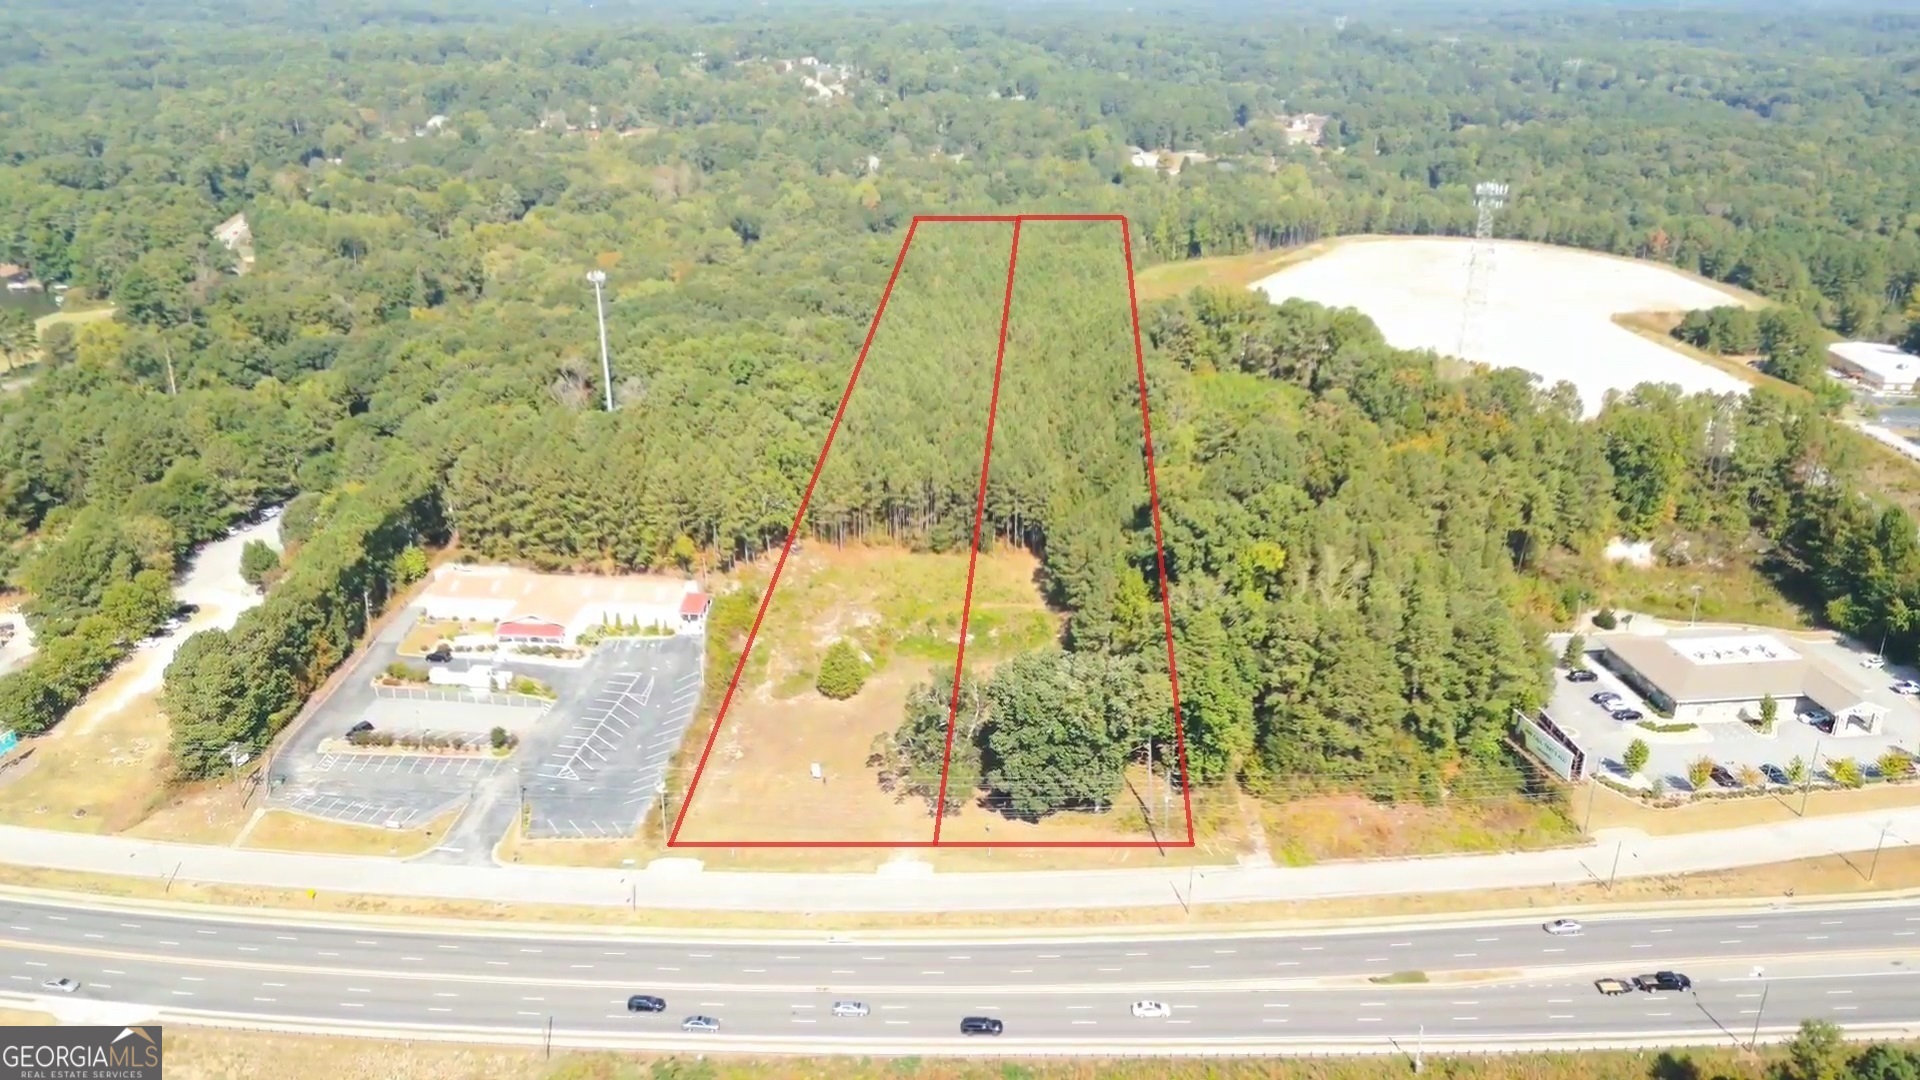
(695, 603)
(531, 628)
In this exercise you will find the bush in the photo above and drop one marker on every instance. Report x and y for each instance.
(1636, 756)
(1769, 712)
(842, 672)
(401, 671)
(1666, 729)
(498, 737)
(1699, 771)
(1604, 619)
(1846, 772)
(1574, 656)
(258, 562)
(530, 687)
(1895, 765)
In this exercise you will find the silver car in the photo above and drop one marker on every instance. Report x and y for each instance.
(1564, 928)
(60, 986)
(850, 1008)
(699, 1023)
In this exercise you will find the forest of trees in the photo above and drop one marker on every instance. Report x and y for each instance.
(1363, 548)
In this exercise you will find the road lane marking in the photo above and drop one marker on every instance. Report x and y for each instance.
(1224, 952)
(96, 937)
(613, 954)
(1462, 955)
(1313, 948)
(1457, 1019)
(1485, 939)
(1198, 967)
(1086, 1022)
(445, 994)
(1553, 950)
(129, 926)
(183, 993)
(1816, 937)
(496, 963)
(530, 950)
(959, 957)
(431, 1008)
(700, 956)
(1366, 1019)
(1275, 1005)
(249, 948)
(1845, 1008)
(1731, 941)
(329, 954)
(366, 942)
(1401, 945)
(269, 1001)
(754, 971)
(1049, 956)
(1832, 992)
(1272, 1020)
(923, 973)
(1667, 930)
(1135, 954)
(357, 990)
(1831, 922)
(1559, 1016)
(1375, 960)
(533, 999)
(1106, 969)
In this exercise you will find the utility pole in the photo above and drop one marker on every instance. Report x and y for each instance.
(1420, 1050)
(1150, 768)
(1695, 617)
(1617, 849)
(1754, 1042)
(599, 279)
(1875, 865)
(549, 1036)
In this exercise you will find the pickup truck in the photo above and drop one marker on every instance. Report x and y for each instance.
(1611, 987)
(1662, 980)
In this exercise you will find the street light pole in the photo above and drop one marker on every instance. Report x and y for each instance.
(599, 278)
(1754, 1042)
(1875, 864)
(1617, 849)
(1695, 617)
(1806, 786)
(1420, 1050)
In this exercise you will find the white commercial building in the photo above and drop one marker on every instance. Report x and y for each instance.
(1882, 367)
(1724, 677)
(555, 609)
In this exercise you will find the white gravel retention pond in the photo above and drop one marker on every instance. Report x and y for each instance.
(1549, 310)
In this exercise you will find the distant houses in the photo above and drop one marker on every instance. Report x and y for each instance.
(18, 278)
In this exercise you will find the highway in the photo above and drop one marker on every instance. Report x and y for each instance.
(1847, 964)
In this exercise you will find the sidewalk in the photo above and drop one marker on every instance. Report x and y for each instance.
(679, 885)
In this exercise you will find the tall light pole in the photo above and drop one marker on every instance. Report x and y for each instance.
(599, 279)
(1695, 617)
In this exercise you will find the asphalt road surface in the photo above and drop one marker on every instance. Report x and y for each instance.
(1847, 965)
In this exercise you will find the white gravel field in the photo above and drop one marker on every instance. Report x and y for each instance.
(1548, 310)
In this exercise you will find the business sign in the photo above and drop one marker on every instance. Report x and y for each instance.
(8, 740)
(1553, 747)
(80, 1053)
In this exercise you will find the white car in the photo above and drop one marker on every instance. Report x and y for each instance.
(849, 1008)
(60, 986)
(699, 1023)
(1564, 928)
(1875, 662)
(1906, 686)
(1151, 1010)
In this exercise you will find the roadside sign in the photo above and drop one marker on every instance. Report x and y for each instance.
(8, 740)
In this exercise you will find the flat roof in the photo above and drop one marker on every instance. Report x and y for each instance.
(513, 593)
(1889, 363)
(1699, 669)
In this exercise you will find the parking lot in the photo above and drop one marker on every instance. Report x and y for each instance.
(588, 763)
(601, 775)
(1731, 744)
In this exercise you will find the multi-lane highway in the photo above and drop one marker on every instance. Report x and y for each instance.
(1847, 964)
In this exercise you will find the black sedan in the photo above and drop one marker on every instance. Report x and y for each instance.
(1582, 675)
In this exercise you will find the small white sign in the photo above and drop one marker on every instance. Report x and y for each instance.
(817, 773)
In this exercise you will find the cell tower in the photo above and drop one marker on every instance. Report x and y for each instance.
(1488, 197)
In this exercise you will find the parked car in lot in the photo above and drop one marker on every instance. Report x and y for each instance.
(849, 1008)
(1150, 1010)
(440, 654)
(1611, 987)
(364, 725)
(1663, 980)
(1906, 686)
(646, 1003)
(1582, 675)
(1606, 699)
(699, 1023)
(981, 1025)
(1624, 715)
(1564, 928)
(1724, 778)
(1774, 774)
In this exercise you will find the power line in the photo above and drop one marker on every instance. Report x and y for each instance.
(1488, 197)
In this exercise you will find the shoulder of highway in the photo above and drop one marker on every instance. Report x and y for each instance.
(681, 884)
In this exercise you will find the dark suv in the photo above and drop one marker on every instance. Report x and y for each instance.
(1663, 980)
(646, 1003)
(440, 654)
(980, 1025)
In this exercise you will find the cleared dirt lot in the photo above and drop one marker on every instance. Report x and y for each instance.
(1549, 310)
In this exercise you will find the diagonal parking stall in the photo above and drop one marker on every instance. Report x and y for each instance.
(360, 811)
(603, 774)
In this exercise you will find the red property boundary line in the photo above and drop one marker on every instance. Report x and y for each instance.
(979, 514)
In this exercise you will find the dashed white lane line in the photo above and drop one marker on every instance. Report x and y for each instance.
(95, 937)
(1313, 948)
(287, 937)
(267, 1000)
(444, 993)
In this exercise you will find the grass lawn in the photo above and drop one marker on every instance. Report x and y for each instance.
(1305, 831)
(1612, 810)
(73, 318)
(24, 1018)
(1734, 593)
(281, 830)
(424, 635)
(97, 771)
(1222, 271)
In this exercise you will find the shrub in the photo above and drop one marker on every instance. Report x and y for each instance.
(1797, 770)
(1699, 771)
(1604, 619)
(1846, 772)
(1666, 729)
(1636, 756)
(1895, 765)
(842, 672)
(1575, 654)
(498, 737)
(1750, 775)
(1769, 712)
(401, 671)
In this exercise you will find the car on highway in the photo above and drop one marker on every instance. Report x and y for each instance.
(1775, 775)
(699, 1023)
(980, 1025)
(850, 1008)
(1582, 675)
(1874, 663)
(1151, 1010)
(1627, 715)
(61, 986)
(1613, 987)
(1564, 928)
(1906, 686)
(1663, 980)
(646, 1003)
